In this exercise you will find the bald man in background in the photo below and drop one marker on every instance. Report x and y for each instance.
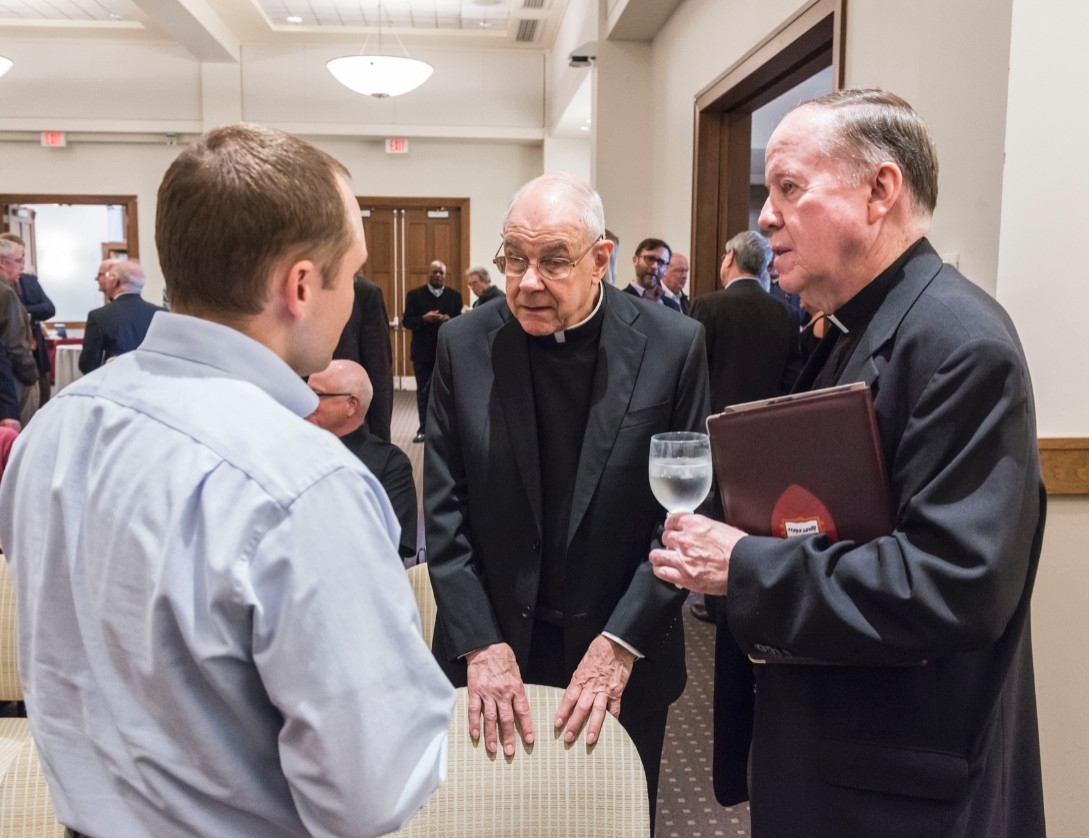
(344, 394)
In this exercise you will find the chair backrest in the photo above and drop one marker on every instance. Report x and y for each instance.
(425, 599)
(548, 790)
(11, 688)
(26, 809)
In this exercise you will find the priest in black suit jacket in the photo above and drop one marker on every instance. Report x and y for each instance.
(426, 309)
(344, 394)
(923, 720)
(538, 508)
(119, 326)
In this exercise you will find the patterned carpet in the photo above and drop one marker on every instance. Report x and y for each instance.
(686, 801)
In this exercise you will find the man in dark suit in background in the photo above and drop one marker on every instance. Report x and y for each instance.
(40, 308)
(750, 338)
(119, 326)
(649, 264)
(365, 340)
(480, 283)
(18, 368)
(344, 394)
(539, 512)
(924, 720)
(426, 308)
(673, 281)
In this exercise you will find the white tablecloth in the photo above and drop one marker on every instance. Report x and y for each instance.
(67, 365)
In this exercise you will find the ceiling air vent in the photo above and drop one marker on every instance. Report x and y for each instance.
(527, 30)
(533, 4)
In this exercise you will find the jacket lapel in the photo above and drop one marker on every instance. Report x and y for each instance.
(619, 357)
(514, 384)
(919, 272)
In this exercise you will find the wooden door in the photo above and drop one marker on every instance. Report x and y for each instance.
(404, 235)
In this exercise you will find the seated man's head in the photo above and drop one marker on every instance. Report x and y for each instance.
(259, 230)
(344, 394)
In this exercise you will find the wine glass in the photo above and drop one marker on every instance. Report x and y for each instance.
(680, 469)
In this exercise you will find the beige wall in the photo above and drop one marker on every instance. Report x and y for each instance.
(487, 173)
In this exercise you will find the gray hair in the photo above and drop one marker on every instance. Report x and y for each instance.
(752, 253)
(9, 246)
(572, 188)
(130, 276)
(482, 272)
(871, 127)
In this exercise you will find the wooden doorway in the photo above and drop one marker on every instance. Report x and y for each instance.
(404, 235)
(806, 43)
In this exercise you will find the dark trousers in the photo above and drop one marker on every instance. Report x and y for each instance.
(645, 725)
(423, 387)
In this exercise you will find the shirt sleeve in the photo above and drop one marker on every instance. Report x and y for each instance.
(337, 642)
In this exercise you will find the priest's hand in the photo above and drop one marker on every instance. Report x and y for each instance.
(696, 554)
(595, 689)
(497, 694)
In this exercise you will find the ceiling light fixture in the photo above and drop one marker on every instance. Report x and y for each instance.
(293, 19)
(380, 75)
(5, 64)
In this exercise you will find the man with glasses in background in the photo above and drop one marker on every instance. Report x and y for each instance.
(539, 513)
(426, 308)
(650, 262)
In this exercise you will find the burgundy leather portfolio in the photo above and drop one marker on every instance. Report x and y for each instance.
(803, 464)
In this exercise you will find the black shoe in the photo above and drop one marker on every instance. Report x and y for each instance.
(419, 437)
(699, 611)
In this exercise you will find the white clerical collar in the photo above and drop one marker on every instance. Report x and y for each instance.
(839, 325)
(561, 337)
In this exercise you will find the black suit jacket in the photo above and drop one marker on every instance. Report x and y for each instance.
(40, 308)
(365, 340)
(482, 490)
(490, 293)
(927, 725)
(393, 469)
(418, 302)
(750, 342)
(115, 329)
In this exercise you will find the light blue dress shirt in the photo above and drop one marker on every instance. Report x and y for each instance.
(216, 635)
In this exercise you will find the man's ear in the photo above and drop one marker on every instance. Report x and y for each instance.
(886, 188)
(296, 285)
(603, 252)
(353, 405)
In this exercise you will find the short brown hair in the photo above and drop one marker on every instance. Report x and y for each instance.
(236, 202)
(872, 126)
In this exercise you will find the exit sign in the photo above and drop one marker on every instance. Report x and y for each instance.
(396, 145)
(54, 139)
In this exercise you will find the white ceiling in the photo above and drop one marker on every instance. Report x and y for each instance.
(471, 24)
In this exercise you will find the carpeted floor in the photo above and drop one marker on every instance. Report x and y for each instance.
(686, 801)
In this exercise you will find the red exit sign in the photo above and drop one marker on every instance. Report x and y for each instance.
(54, 139)
(396, 145)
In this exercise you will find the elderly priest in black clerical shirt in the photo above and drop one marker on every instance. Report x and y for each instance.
(539, 513)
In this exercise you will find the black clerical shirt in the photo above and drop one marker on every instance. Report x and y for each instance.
(563, 380)
(847, 325)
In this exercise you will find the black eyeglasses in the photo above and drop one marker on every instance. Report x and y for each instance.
(552, 268)
(328, 395)
(650, 260)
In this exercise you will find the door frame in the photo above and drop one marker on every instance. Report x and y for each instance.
(804, 44)
(132, 235)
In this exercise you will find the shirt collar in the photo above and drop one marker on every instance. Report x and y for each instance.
(436, 292)
(857, 312)
(564, 334)
(232, 353)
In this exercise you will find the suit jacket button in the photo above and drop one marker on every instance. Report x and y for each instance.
(527, 612)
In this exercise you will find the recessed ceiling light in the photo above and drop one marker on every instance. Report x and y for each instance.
(485, 24)
(294, 19)
(115, 16)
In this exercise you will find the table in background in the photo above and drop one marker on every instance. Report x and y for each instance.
(66, 365)
(51, 345)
